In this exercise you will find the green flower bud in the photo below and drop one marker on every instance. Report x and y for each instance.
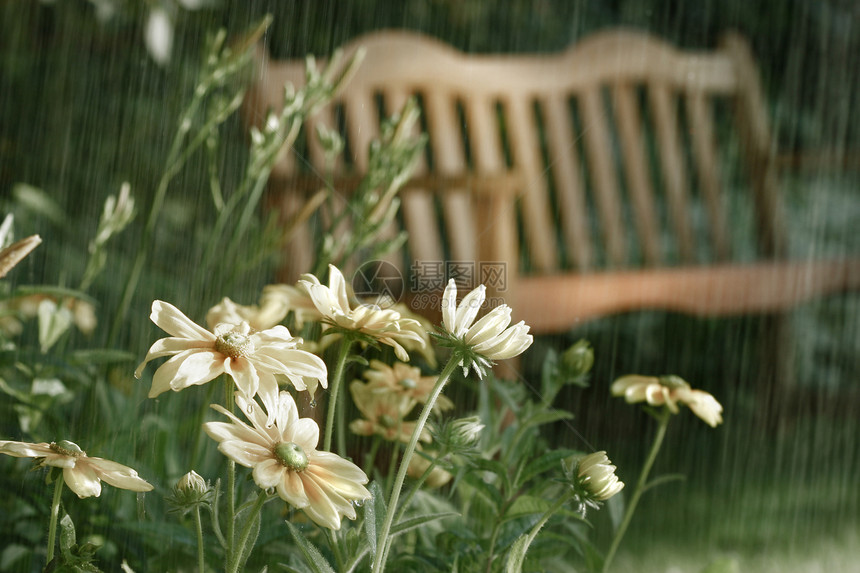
(577, 360)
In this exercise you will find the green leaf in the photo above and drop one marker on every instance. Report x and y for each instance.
(517, 554)
(414, 522)
(100, 356)
(374, 515)
(547, 416)
(242, 517)
(548, 461)
(526, 505)
(663, 479)
(313, 557)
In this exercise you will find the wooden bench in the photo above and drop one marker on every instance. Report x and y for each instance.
(619, 174)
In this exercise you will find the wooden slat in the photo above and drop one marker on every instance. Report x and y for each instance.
(419, 212)
(450, 157)
(525, 150)
(495, 229)
(672, 163)
(716, 290)
(636, 170)
(705, 154)
(752, 124)
(564, 163)
(603, 176)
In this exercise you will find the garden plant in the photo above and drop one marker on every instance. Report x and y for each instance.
(321, 434)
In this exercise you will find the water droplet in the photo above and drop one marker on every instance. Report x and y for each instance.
(313, 404)
(358, 502)
(249, 409)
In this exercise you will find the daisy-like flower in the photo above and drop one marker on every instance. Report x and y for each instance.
(405, 380)
(284, 457)
(488, 339)
(384, 412)
(669, 391)
(251, 359)
(281, 298)
(596, 477)
(82, 473)
(385, 325)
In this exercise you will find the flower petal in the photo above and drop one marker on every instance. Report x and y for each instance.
(82, 480)
(116, 474)
(172, 321)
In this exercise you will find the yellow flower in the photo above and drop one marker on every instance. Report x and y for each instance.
(669, 391)
(81, 472)
(385, 325)
(384, 412)
(406, 380)
(488, 339)
(251, 359)
(597, 476)
(284, 457)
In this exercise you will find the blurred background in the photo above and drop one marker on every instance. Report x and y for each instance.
(90, 93)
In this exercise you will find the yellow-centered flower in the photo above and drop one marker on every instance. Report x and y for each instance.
(284, 458)
(82, 473)
(252, 359)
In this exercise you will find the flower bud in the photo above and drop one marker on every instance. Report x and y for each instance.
(465, 432)
(189, 492)
(192, 482)
(596, 477)
(577, 360)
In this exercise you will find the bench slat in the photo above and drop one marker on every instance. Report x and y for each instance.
(603, 175)
(564, 164)
(637, 172)
(673, 167)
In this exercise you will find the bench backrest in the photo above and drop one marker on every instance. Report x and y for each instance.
(619, 146)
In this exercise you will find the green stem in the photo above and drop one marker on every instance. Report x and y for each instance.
(663, 421)
(246, 532)
(334, 393)
(231, 482)
(383, 540)
(55, 513)
(544, 518)
(336, 549)
(417, 486)
(200, 561)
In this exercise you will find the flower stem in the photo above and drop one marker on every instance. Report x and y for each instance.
(246, 532)
(383, 541)
(663, 423)
(544, 518)
(231, 481)
(200, 561)
(55, 512)
(333, 397)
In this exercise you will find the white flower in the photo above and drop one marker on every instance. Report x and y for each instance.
(284, 457)
(668, 391)
(597, 476)
(488, 339)
(387, 326)
(81, 472)
(251, 359)
(281, 299)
